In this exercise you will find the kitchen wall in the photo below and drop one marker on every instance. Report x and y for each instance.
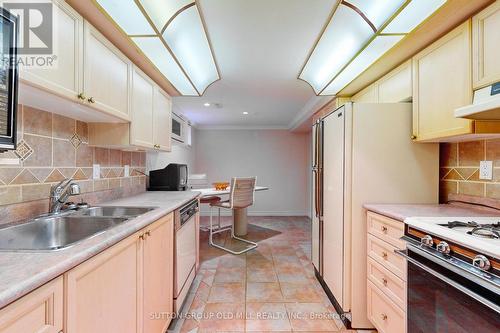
(180, 153)
(459, 164)
(278, 158)
(52, 147)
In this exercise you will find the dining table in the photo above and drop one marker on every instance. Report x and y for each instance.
(240, 215)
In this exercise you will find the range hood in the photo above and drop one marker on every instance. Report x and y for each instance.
(486, 105)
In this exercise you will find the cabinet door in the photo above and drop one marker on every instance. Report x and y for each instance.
(65, 76)
(102, 293)
(106, 75)
(441, 83)
(162, 125)
(142, 110)
(367, 95)
(158, 275)
(41, 311)
(396, 86)
(486, 46)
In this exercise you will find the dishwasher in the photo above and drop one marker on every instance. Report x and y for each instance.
(185, 251)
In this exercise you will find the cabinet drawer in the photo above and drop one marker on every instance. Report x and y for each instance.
(40, 311)
(386, 316)
(386, 229)
(383, 253)
(392, 286)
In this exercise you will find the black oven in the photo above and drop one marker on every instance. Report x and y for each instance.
(8, 80)
(448, 295)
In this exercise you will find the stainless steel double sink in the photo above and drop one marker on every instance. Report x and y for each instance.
(65, 229)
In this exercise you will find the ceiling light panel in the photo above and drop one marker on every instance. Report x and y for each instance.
(343, 38)
(122, 13)
(186, 38)
(378, 11)
(172, 35)
(153, 48)
(412, 15)
(162, 11)
(368, 56)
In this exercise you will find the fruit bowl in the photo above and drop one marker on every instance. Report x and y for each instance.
(221, 186)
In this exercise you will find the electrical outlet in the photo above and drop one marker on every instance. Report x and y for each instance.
(486, 170)
(96, 171)
(126, 171)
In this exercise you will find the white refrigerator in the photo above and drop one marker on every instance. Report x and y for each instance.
(362, 153)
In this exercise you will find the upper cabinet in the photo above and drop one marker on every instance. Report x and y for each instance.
(162, 120)
(486, 46)
(65, 77)
(367, 95)
(107, 73)
(442, 82)
(396, 85)
(142, 110)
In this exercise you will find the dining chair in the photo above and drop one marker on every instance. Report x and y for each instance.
(242, 195)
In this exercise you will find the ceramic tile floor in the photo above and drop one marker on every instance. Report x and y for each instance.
(269, 289)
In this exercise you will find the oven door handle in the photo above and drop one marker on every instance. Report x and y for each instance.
(449, 281)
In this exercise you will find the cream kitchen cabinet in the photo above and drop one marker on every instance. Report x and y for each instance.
(158, 258)
(367, 95)
(127, 288)
(102, 293)
(442, 82)
(396, 86)
(64, 77)
(150, 120)
(486, 46)
(41, 311)
(107, 74)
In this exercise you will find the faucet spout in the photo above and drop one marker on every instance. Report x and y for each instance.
(59, 194)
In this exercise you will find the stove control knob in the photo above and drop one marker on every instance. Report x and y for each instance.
(481, 262)
(443, 247)
(427, 241)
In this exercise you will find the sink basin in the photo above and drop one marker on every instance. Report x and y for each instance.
(54, 232)
(114, 211)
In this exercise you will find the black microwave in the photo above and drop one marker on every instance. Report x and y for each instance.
(172, 178)
(8, 80)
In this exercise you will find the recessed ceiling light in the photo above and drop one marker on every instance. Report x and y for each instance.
(244, 112)
(207, 104)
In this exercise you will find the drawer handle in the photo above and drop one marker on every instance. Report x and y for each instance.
(384, 229)
(383, 316)
(384, 255)
(384, 281)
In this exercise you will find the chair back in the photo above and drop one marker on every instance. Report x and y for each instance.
(242, 191)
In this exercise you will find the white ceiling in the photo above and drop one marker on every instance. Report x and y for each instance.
(260, 47)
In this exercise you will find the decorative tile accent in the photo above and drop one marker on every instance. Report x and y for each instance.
(8, 174)
(23, 150)
(75, 140)
(55, 176)
(82, 130)
(25, 177)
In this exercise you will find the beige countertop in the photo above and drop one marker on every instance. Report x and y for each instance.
(23, 272)
(402, 211)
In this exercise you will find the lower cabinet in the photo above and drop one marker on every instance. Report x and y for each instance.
(101, 293)
(158, 272)
(41, 311)
(127, 288)
(386, 272)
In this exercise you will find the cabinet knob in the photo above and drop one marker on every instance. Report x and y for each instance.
(413, 137)
(91, 100)
(384, 229)
(157, 146)
(383, 316)
(148, 233)
(81, 96)
(384, 255)
(141, 237)
(384, 281)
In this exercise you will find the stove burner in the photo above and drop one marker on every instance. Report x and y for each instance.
(479, 230)
(488, 231)
(455, 224)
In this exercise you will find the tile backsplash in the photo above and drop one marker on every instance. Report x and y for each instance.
(52, 147)
(459, 168)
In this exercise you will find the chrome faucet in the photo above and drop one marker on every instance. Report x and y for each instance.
(59, 194)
